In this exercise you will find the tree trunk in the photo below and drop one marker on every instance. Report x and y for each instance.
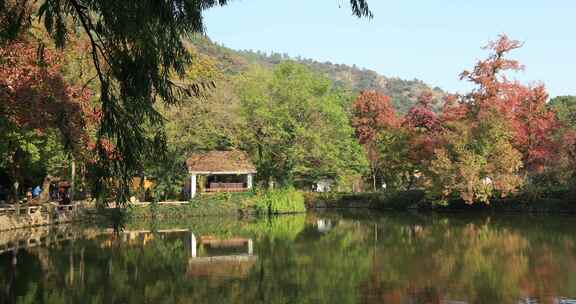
(72, 179)
(141, 191)
(83, 180)
(374, 180)
(14, 179)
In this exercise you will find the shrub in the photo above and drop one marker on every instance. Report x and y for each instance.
(286, 200)
(401, 199)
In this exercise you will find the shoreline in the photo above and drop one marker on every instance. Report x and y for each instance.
(417, 201)
(410, 201)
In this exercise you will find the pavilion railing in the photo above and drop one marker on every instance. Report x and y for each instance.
(226, 187)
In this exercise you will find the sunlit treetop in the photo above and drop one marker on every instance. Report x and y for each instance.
(488, 73)
(373, 112)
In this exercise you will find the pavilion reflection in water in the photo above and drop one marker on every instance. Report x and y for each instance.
(209, 256)
(230, 258)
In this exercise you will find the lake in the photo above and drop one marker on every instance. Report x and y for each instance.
(341, 257)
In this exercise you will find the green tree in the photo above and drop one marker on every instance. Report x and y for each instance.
(395, 168)
(565, 108)
(296, 126)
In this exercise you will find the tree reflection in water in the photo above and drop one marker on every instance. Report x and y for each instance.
(314, 258)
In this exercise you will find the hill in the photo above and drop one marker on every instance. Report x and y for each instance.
(403, 92)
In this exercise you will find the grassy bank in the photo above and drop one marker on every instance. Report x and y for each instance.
(563, 202)
(278, 201)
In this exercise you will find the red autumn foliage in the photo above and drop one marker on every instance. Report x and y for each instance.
(535, 127)
(372, 114)
(421, 116)
(425, 126)
(35, 96)
(107, 148)
(487, 73)
(422, 147)
(523, 107)
(453, 109)
(480, 144)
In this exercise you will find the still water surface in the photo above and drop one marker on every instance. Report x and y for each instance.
(313, 258)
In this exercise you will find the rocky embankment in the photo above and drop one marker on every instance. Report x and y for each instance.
(16, 217)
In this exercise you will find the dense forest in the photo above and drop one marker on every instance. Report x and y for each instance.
(101, 112)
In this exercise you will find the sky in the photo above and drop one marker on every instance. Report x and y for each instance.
(431, 40)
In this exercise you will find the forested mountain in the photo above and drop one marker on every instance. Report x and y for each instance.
(403, 93)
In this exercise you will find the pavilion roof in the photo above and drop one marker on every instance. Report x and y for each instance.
(223, 162)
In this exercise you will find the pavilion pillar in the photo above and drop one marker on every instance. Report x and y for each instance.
(192, 245)
(250, 247)
(249, 180)
(192, 186)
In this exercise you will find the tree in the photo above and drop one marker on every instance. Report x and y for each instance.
(421, 117)
(522, 107)
(475, 162)
(536, 128)
(36, 101)
(491, 133)
(424, 128)
(137, 50)
(565, 109)
(296, 128)
(373, 115)
(212, 122)
(394, 165)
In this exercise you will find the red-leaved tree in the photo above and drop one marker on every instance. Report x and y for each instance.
(373, 114)
(424, 127)
(533, 124)
(35, 99)
(35, 96)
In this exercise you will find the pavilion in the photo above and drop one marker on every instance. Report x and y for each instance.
(220, 171)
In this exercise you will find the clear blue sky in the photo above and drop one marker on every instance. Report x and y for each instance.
(432, 40)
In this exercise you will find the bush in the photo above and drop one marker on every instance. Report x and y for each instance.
(286, 200)
(322, 199)
(399, 200)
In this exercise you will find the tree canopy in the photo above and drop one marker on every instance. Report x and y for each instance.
(39, 110)
(296, 126)
(137, 50)
(488, 143)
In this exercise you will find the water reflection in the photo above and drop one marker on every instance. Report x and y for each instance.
(314, 258)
